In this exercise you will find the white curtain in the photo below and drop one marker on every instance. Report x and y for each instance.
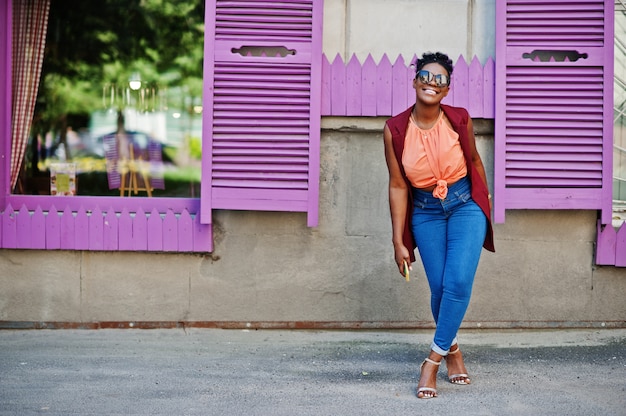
(30, 23)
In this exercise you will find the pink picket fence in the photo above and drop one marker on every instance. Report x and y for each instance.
(103, 231)
(383, 89)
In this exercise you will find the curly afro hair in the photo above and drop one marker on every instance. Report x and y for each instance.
(438, 58)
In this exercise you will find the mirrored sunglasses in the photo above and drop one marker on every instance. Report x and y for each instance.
(426, 77)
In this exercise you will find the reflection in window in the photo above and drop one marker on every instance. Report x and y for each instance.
(120, 99)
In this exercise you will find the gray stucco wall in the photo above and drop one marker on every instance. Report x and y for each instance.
(268, 269)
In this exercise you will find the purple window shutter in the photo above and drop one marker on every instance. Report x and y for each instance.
(262, 102)
(554, 105)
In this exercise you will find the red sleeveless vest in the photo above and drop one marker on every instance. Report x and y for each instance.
(480, 194)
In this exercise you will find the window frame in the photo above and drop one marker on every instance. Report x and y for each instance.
(13, 202)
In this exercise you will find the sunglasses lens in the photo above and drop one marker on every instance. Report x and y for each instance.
(426, 77)
(442, 80)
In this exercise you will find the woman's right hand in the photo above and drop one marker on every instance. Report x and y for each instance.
(402, 256)
(398, 196)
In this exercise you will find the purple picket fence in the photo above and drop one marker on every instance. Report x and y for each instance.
(383, 89)
(103, 231)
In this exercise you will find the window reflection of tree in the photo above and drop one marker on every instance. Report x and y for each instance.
(94, 44)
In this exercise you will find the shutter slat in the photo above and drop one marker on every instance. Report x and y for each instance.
(227, 184)
(537, 156)
(575, 139)
(541, 116)
(577, 103)
(273, 115)
(262, 159)
(247, 149)
(554, 183)
(276, 139)
(225, 70)
(256, 122)
(264, 172)
(253, 106)
(267, 131)
(260, 103)
(514, 122)
(555, 150)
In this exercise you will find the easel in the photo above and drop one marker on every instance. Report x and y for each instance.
(130, 168)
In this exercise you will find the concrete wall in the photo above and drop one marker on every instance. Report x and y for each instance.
(270, 270)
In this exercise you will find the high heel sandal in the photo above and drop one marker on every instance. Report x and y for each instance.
(462, 378)
(424, 390)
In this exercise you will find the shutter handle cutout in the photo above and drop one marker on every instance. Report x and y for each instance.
(554, 55)
(264, 51)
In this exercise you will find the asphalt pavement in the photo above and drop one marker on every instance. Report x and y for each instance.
(279, 372)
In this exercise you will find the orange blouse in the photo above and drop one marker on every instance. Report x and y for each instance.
(433, 156)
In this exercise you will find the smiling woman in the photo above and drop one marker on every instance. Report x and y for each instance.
(120, 100)
(439, 203)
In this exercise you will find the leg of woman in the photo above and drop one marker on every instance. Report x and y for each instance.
(466, 230)
(429, 231)
(467, 226)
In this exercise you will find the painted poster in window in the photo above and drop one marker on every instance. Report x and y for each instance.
(63, 179)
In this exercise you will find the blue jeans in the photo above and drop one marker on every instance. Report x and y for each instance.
(449, 234)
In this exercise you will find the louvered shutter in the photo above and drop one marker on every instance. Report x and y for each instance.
(262, 106)
(554, 94)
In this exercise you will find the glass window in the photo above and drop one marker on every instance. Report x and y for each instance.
(119, 106)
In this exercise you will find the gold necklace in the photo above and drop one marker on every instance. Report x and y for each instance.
(430, 125)
(424, 131)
